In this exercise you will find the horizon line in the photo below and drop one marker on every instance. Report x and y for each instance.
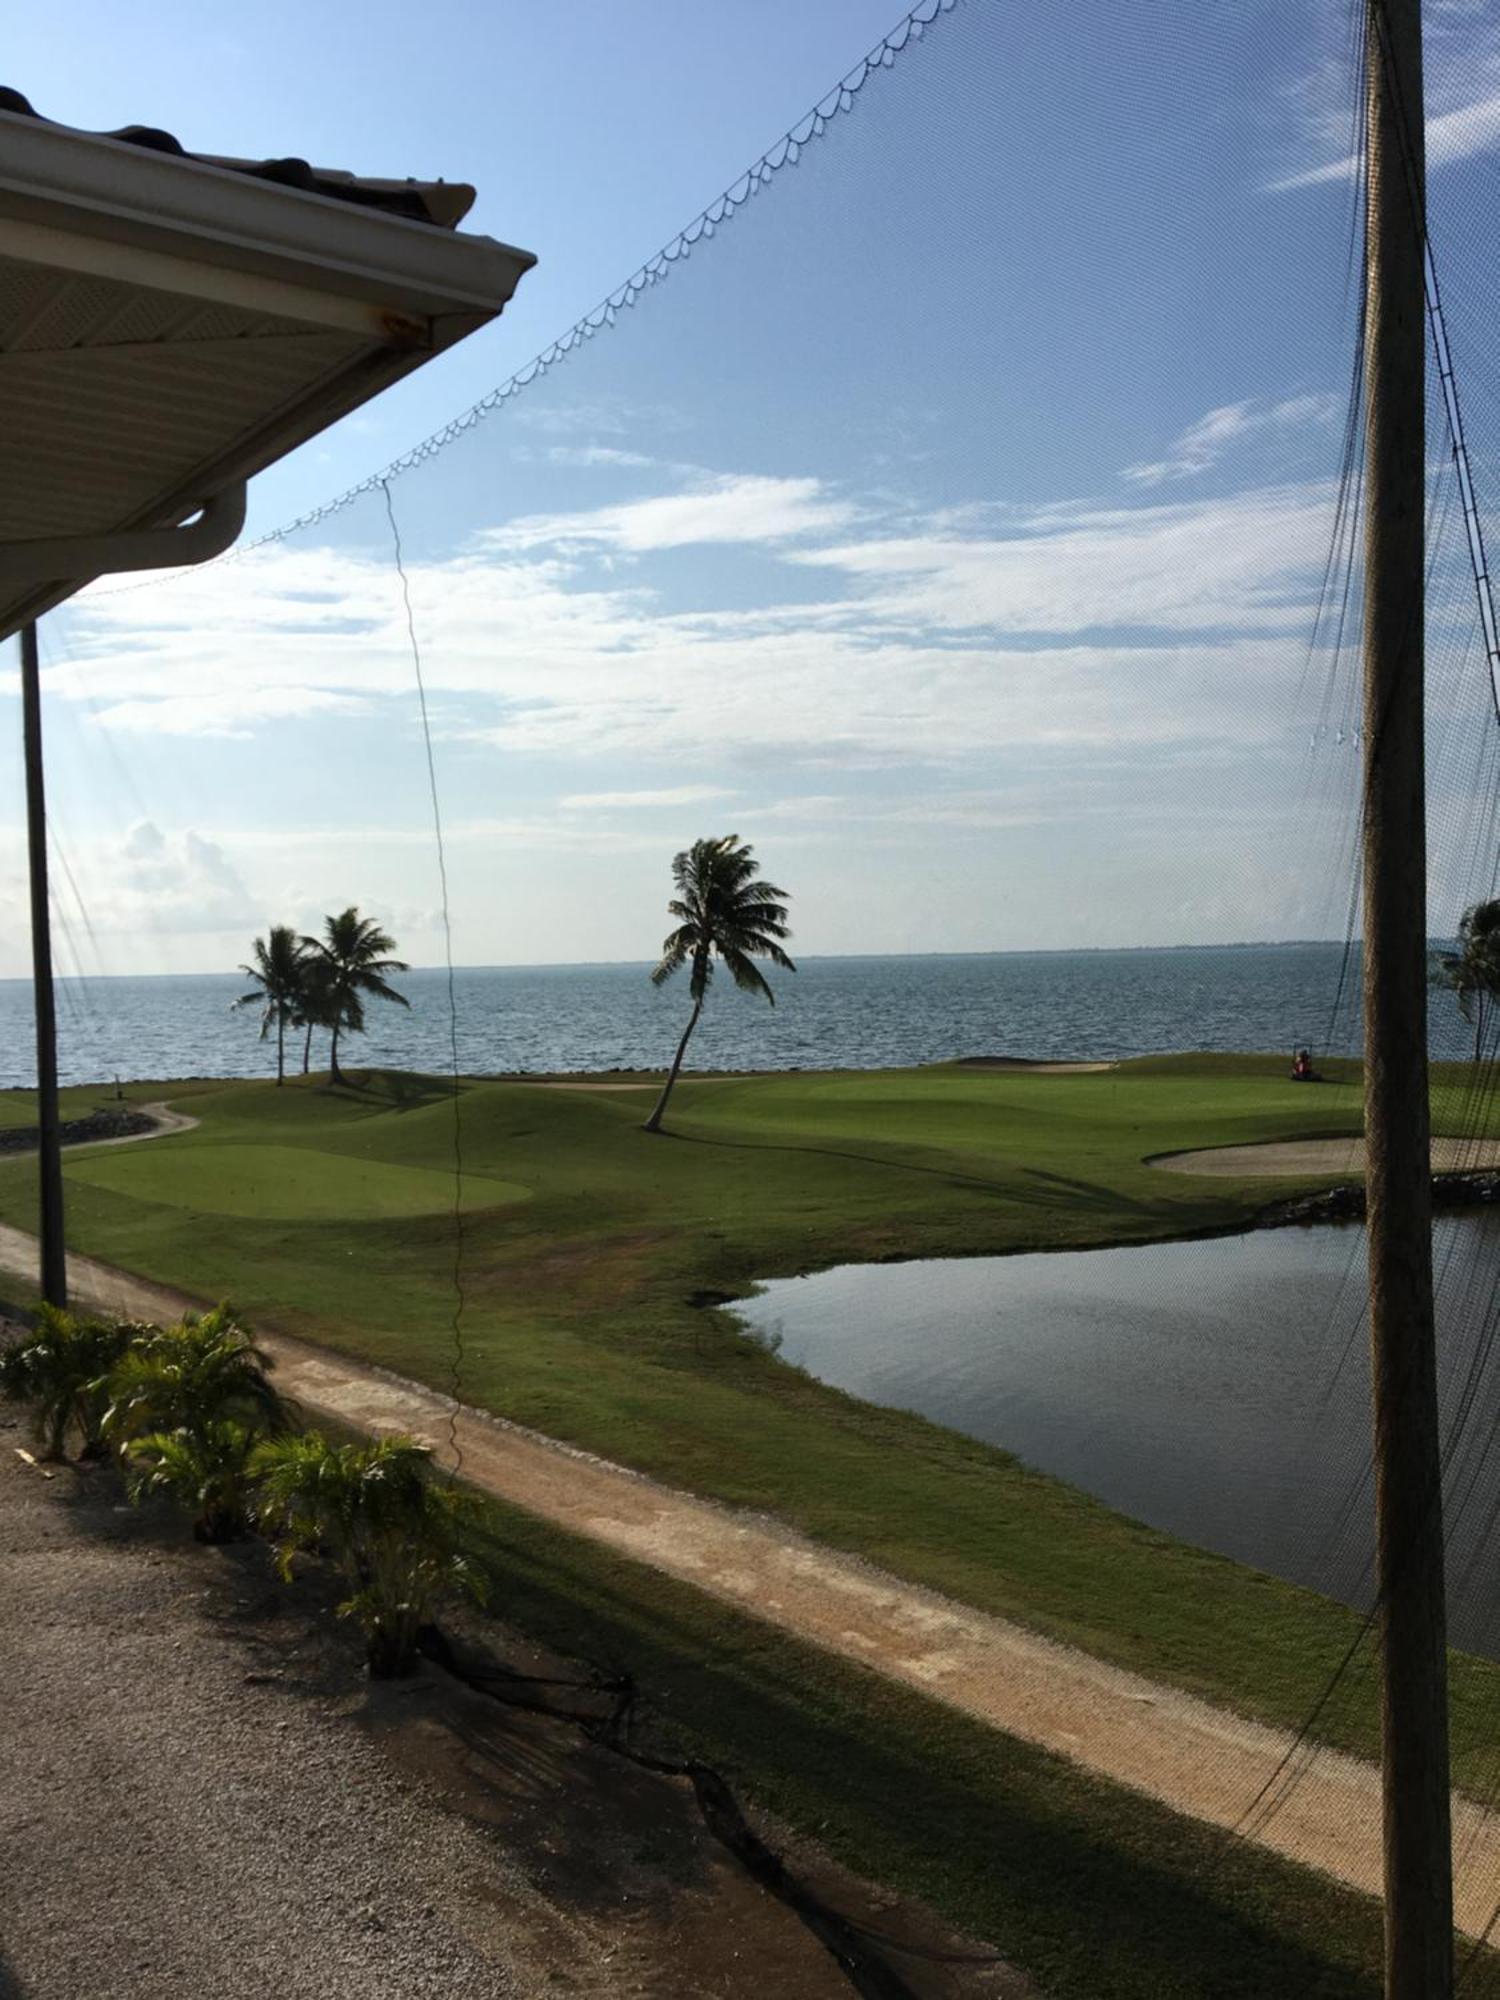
(820, 958)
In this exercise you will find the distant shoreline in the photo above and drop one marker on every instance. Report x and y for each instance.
(807, 959)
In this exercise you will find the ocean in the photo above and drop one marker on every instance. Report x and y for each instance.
(834, 1013)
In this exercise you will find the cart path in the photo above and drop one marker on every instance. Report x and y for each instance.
(168, 1121)
(1336, 1157)
(1200, 1760)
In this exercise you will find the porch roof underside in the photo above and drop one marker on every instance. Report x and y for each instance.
(169, 327)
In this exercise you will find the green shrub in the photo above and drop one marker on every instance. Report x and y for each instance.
(205, 1370)
(391, 1529)
(62, 1367)
(207, 1470)
(188, 1406)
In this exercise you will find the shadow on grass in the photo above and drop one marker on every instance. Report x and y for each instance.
(1060, 1191)
(1094, 1890)
(387, 1089)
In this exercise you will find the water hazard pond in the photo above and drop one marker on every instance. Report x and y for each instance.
(1217, 1389)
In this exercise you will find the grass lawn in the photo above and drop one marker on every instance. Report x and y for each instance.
(586, 1241)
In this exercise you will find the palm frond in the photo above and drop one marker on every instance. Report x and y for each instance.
(746, 974)
(392, 1531)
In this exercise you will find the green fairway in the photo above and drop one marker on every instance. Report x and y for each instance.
(585, 1303)
(284, 1183)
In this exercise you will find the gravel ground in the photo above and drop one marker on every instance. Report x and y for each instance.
(202, 1798)
(173, 1824)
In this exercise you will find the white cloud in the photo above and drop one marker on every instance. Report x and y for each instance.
(153, 882)
(744, 507)
(1239, 563)
(1461, 86)
(1453, 135)
(590, 455)
(970, 632)
(230, 713)
(677, 795)
(1204, 443)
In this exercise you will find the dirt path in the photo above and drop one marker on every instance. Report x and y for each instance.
(1334, 1157)
(168, 1121)
(1198, 1759)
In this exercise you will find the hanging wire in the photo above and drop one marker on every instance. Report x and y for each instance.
(456, 1372)
(1300, 1755)
(1452, 406)
(786, 152)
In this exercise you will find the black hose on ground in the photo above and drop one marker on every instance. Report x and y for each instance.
(858, 1951)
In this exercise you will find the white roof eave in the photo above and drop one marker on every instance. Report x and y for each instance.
(165, 202)
(393, 291)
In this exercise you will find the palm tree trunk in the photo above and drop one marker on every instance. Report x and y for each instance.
(653, 1123)
(280, 1050)
(333, 1056)
(307, 1050)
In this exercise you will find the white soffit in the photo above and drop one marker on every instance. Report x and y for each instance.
(170, 326)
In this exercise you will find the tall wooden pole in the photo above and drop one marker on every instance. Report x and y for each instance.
(1408, 1492)
(49, 1159)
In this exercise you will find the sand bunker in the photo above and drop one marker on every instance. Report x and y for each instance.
(1335, 1158)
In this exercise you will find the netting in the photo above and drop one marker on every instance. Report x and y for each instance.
(966, 510)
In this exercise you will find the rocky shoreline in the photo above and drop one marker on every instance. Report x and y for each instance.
(81, 1131)
(1346, 1201)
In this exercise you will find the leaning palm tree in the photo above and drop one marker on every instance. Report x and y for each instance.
(391, 1529)
(1473, 971)
(279, 973)
(351, 956)
(59, 1366)
(723, 913)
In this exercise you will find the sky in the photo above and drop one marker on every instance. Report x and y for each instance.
(951, 524)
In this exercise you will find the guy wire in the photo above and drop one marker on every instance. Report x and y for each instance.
(459, 1301)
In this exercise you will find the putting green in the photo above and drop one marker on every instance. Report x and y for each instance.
(284, 1183)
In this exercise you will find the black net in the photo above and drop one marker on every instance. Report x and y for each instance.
(967, 512)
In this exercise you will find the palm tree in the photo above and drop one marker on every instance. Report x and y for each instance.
(391, 1529)
(206, 1369)
(1473, 971)
(279, 972)
(724, 913)
(208, 1469)
(351, 954)
(188, 1406)
(314, 1006)
(60, 1367)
